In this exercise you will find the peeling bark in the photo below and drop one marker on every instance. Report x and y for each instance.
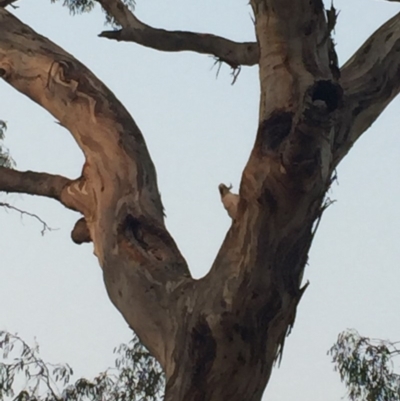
(217, 338)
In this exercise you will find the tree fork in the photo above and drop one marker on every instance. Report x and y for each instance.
(232, 324)
(217, 338)
(246, 305)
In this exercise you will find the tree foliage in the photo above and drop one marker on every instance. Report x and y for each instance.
(5, 159)
(366, 367)
(24, 375)
(84, 6)
(78, 6)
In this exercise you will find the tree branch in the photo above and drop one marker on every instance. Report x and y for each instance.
(370, 80)
(133, 30)
(45, 226)
(117, 192)
(51, 186)
(33, 183)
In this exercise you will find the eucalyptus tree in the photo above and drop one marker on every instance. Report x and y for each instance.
(25, 376)
(216, 338)
(367, 367)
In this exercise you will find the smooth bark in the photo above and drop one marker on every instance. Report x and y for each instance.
(217, 338)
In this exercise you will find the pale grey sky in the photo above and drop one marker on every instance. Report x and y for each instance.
(199, 130)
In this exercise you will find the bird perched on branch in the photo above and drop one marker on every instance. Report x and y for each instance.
(229, 200)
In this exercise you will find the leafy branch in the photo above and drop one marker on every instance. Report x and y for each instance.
(136, 375)
(5, 159)
(366, 367)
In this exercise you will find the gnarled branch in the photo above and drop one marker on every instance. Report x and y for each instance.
(370, 80)
(133, 30)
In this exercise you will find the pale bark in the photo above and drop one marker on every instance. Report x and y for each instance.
(134, 30)
(217, 338)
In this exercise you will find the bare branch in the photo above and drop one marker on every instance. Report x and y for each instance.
(52, 186)
(45, 226)
(370, 80)
(133, 30)
(33, 183)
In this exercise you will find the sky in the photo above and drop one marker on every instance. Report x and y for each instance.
(199, 129)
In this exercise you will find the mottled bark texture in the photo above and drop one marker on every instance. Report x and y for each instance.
(217, 338)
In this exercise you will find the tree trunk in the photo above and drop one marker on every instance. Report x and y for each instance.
(216, 338)
(242, 310)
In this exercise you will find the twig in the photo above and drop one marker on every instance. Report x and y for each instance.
(45, 228)
(235, 73)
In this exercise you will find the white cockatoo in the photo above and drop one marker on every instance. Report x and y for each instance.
(229, 200)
